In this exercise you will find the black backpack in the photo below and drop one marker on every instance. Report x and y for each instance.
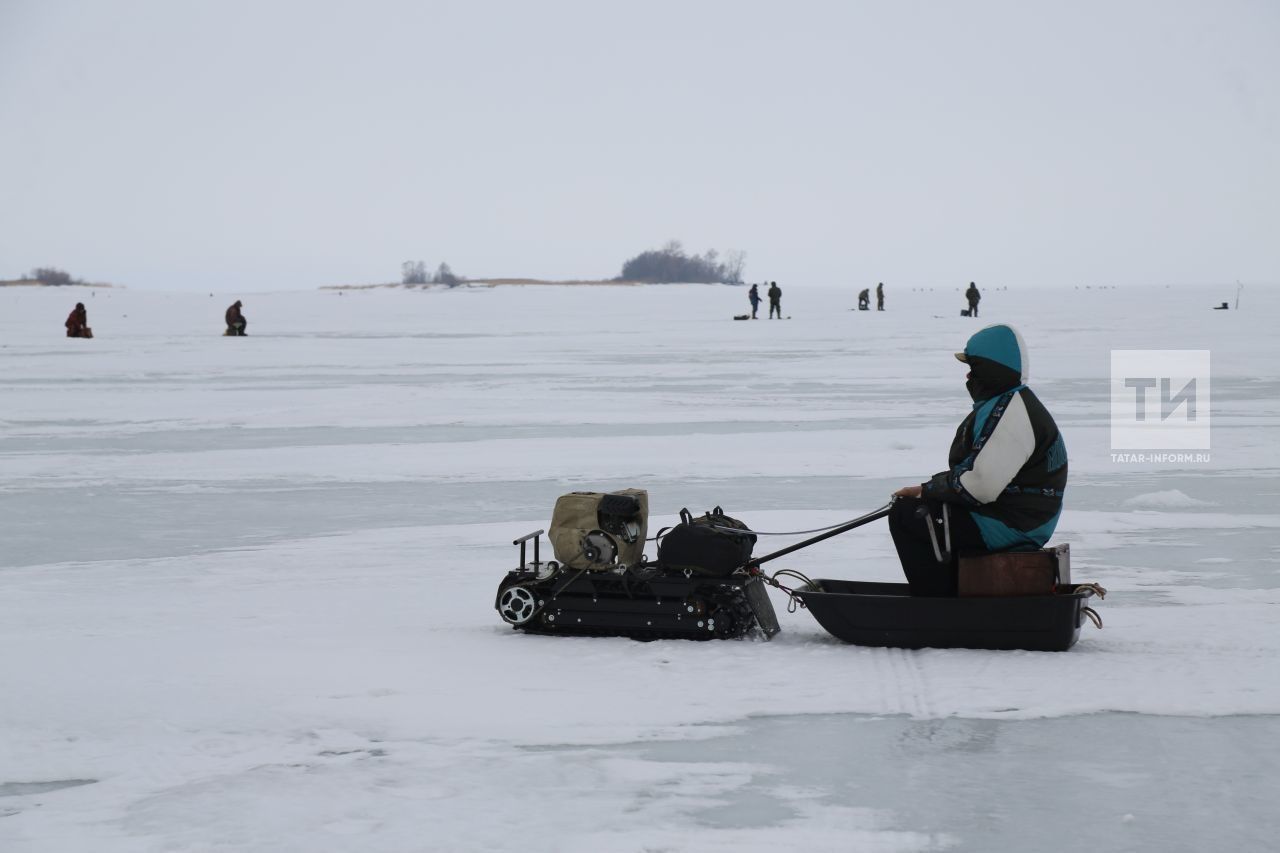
(713, 544)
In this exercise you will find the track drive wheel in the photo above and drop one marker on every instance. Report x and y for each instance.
(517, 605)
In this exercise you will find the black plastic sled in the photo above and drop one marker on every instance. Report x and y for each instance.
(885, 614)
(643, 602)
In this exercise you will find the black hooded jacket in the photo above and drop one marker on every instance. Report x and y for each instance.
(1008, 462)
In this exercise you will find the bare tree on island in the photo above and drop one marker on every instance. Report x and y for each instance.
(444, 275)
(415, 272)
(735, 263)
(53, 276)
(671, 264)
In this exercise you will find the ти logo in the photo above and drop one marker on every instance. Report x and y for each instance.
(1160, 399)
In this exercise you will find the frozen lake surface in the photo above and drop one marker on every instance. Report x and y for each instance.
(1114, 782)
(246, 584)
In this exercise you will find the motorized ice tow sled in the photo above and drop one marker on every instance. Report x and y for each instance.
(602, 584)
(705, 585)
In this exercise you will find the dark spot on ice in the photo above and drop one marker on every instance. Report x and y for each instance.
(18, 789)
(371, 753)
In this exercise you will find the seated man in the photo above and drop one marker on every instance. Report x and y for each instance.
(1003, 491)
(236, 322)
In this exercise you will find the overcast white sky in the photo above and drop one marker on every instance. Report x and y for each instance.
(257, 145)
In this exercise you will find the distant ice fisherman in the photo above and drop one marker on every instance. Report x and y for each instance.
(78, 323)
(236, 322)
(973, 297)
(775, 300)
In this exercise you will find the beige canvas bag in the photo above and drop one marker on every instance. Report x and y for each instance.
(590, 531)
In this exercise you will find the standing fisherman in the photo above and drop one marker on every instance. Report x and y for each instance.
(754, 295)
(775, 299)
(880, 296)
(974, 298)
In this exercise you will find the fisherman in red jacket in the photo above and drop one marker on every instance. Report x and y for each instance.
(78, 323)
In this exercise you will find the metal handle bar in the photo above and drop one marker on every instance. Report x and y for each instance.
(537, 560)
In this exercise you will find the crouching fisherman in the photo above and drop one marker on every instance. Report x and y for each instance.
(1008, 471)
(236, 322)
(78, 323)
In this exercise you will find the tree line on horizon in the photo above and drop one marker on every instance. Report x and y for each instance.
(669, 265)
(52, 276)
(415, 272)
(672, 264)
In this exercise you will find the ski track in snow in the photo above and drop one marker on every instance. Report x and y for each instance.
(246, 597)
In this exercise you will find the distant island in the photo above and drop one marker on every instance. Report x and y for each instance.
(48, 277)
(668, 265)
(31, 282)
(490, 282)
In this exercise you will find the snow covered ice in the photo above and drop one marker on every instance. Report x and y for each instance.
(246, 586)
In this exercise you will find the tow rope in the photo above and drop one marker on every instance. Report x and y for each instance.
(794, 602)
(1092, 589)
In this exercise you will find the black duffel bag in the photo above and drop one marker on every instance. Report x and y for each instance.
(712, 544)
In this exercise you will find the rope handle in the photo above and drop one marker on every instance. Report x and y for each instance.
(1091, 589)
(794, 602)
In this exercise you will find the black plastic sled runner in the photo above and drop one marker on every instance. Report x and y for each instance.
(706, 585)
